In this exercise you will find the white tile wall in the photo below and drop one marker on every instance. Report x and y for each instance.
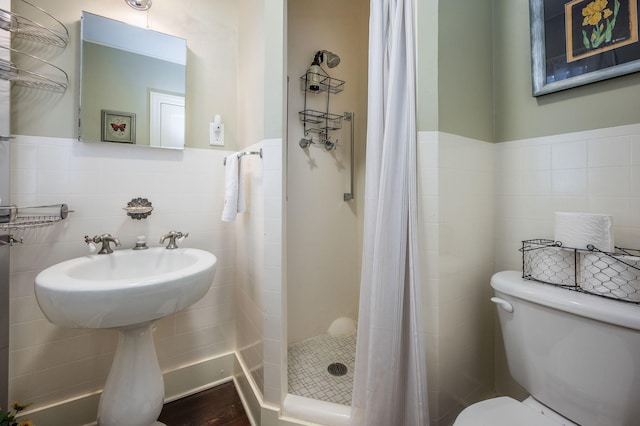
(274, 301)
(428, 211)
(592, 171)
(48, 363)
(250, 266)
(259, 294)
(466, 181)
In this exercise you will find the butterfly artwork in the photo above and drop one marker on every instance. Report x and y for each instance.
(120, 126)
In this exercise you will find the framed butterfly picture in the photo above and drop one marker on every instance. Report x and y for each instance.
(118, 126)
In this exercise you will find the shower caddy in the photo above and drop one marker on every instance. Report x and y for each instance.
(322, 122)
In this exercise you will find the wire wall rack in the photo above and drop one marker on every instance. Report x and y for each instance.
(612, 275)
(54, 78)
(324, 81)
(13, 217)
(42, 27)
(320, 122)
(25, 69)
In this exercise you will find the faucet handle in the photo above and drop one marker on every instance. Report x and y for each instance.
(90, 243)
(173, 236)
(105, 239)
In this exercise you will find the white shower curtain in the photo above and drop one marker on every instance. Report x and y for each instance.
(390, 384)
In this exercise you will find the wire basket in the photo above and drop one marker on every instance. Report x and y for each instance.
(612, 275)
(12, 217)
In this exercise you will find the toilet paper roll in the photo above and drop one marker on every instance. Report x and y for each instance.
(577, 230)
(617, 277)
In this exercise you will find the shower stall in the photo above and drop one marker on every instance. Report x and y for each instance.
(327, 42)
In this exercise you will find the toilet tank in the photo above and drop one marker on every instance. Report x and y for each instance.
(576, 353)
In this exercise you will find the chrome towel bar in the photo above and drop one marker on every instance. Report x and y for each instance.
(243, 153)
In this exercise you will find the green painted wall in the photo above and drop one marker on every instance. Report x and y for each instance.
(275, 74)
(465, 64)
(474, 77)
(519, 115)
(427, 65)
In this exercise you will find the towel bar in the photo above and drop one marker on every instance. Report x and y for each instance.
(243, 153)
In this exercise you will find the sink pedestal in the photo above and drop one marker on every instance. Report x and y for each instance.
(134, 392)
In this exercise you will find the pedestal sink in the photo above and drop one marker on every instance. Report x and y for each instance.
(126, 290)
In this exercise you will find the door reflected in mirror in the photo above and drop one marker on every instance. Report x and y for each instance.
(139, 73)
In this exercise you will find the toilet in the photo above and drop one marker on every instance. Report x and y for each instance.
(577, 355)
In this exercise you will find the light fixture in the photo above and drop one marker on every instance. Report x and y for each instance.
(139, 4)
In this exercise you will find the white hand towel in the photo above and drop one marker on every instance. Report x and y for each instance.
(231, 188)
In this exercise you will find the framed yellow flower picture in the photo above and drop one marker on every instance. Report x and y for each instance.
(578, 42)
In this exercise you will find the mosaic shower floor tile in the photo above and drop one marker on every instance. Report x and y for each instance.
(309, 363)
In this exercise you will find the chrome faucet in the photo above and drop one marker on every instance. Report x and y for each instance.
(105, 239)
(173, 236)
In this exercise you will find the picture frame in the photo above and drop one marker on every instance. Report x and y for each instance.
(578, 42)
(118, 126)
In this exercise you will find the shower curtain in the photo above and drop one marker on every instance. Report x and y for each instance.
(390, 384)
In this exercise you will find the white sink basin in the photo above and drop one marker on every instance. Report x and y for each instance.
(125, 287)
(126, 290)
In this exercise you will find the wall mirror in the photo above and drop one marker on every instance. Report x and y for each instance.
(132, 84)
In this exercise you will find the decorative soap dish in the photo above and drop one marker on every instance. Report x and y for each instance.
(138, 208)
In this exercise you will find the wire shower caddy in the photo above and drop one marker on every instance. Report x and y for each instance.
(315, 121)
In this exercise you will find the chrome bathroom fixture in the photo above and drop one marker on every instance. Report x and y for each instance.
(138, 208)
(105, 239)
(141, 243)
(331, 59)
(173, 236)
(139, 4)
(242, 154)
(305, 142)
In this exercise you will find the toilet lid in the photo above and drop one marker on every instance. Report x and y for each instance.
(503, 411)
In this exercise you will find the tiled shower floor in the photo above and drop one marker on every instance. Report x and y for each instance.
(308, 363)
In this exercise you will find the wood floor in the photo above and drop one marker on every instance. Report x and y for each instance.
(214, 407)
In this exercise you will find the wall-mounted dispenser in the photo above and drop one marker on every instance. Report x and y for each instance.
(216, 131)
